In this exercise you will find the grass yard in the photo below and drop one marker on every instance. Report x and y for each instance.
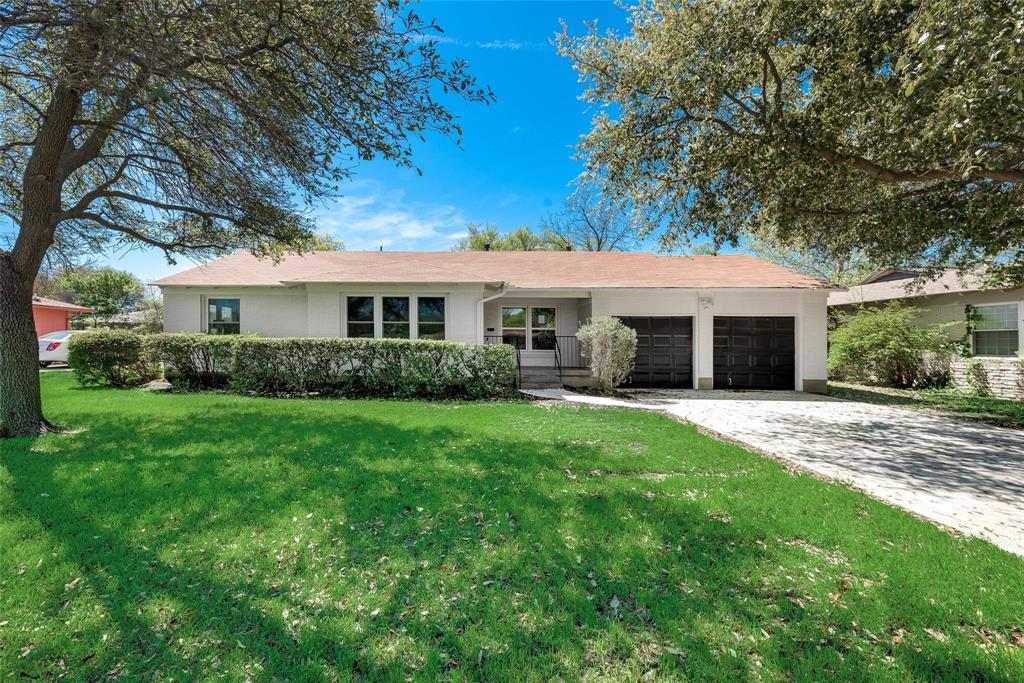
(952, 402)
(183, 537)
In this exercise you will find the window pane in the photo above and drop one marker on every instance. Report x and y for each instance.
(513, 316)
(431, 309)
(224, 328)
(543, 340)
(995, 343)
(360, 330)
(516, 338)
(395, 309)
(360, 309)
(543, 318)
(396, 330)
(430, 312)
(430, 330)
(223, 310)
(1000, 317)
(223, 316)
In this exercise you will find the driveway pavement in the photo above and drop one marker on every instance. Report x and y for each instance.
(964, 475)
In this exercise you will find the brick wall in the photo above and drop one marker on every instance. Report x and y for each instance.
(1003, 377)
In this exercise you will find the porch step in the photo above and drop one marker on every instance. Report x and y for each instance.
(540, 385)
(535, 377)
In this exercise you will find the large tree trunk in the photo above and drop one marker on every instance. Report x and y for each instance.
(21, 410)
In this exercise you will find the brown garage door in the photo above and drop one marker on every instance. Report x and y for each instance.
(754, 353)
(664, 352)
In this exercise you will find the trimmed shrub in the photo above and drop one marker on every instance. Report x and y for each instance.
(885, 346)
(299, 366)
(196, 361)
(113, 358)
(371, 367)
(611, 347)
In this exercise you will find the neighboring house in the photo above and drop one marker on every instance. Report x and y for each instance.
(51, 315)
(702, 321)
(998, 315)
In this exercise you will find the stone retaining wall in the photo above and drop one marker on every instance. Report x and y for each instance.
(1003, 377)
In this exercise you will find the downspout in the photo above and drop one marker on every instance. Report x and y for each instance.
(480, 312)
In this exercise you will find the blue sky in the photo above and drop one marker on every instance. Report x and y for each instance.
(516, 161)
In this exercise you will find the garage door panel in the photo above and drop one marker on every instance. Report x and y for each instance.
(664, 357)
(754, 352)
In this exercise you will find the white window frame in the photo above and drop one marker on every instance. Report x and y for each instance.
(529, 324)
(414, 312)
(204, 310)
(379, 330)
(1020, 308)
(378, 311)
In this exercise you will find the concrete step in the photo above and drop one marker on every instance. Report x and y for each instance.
(540, 385)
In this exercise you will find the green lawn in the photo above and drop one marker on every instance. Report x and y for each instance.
(183, 537)
(951, 402)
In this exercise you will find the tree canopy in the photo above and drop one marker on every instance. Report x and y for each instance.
(325, 241)
(845, 269)
(891, 129)
(106, 290)
(194, 127)
(480, 237)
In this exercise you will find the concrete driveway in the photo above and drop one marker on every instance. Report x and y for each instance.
(964, 475)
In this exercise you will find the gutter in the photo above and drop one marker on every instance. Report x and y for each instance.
(480, 312)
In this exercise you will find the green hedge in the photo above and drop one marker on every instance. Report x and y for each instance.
(371, 367)
(114, 358)
(299, 366)
(196, 361)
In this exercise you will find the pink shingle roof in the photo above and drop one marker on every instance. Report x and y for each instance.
(948, 282)
(523, 269)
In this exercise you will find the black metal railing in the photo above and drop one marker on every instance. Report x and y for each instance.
(517, 344)
(566, 348)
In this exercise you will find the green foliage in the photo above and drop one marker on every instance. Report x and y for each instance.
(891, 129)
(325, 241)
(845, 269)
(112, 358)
(196, 361)
(611, 347)
(520, 239)
(203, 537)
(298, 365)
(976, 377)
(884, 345)
(108, 291)
(152, 309)
(371, 367)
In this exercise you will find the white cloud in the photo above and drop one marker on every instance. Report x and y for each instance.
(371, 216)
(483, 44)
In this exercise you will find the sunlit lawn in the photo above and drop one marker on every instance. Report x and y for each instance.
(183, 537)
(949, 401)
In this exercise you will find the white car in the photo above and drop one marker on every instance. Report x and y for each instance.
(53, 347)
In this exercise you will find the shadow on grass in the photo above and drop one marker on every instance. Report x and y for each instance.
(947, 402)
(274, 534)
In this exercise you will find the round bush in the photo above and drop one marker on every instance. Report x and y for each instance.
(113, 358)
(884, 345)
(611, 347)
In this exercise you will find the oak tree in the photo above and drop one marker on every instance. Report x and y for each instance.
(893, 130)
(194, 127)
